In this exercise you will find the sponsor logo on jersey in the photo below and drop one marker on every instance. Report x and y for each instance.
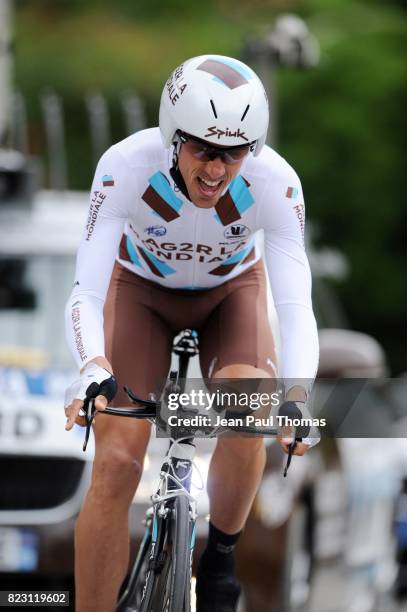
(156, 230)
(292, 193)
(299, 210)
(76, 324)
(236, 231)
(96, 203)
(184, 251)
(215, 131)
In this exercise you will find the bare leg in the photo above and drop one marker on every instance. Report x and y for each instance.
(236, 468)
(102, 532)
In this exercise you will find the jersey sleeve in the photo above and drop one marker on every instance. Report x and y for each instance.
(108, 211)
(282, 216)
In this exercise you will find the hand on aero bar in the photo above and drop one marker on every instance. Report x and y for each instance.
(304, 435)
(95, 382)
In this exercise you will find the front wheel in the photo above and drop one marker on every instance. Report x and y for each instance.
(131, 599)
(162, 574)
(173, 582)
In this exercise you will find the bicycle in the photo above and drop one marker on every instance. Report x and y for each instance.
(161, 575)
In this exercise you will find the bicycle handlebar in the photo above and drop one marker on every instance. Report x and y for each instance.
(149, 410)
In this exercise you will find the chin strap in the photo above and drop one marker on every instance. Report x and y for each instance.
(176, 173)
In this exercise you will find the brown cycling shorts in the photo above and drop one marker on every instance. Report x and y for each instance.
(142, 318)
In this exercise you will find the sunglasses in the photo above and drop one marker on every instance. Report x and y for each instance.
(205, 152)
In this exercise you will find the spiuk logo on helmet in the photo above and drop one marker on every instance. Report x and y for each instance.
(214, 90)
(215, 131)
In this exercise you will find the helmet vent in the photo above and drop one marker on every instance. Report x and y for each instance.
(245, 112)
(214, 109)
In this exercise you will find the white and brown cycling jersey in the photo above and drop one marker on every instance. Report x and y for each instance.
(140, 218)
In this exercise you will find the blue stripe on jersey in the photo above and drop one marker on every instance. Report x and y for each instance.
(133, 253)
(163, 188)
(164, 268)
(239, 256)
(240, 194)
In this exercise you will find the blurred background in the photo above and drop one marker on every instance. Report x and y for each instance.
(76, 77)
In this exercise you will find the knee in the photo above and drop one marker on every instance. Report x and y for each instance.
(116, 474)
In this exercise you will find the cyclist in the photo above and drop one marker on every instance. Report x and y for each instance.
(171, 243)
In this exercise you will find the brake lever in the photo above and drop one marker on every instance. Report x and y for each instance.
(89, 411)
(291, 450)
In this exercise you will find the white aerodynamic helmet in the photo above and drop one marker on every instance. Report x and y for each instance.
(215, 98)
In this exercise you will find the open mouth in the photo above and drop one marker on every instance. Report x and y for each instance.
(209, 188)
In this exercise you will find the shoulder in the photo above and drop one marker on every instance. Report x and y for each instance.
(281, 200)
(272, 168)
(140, 150)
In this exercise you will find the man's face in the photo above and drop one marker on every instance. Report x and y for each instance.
(205, 179)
